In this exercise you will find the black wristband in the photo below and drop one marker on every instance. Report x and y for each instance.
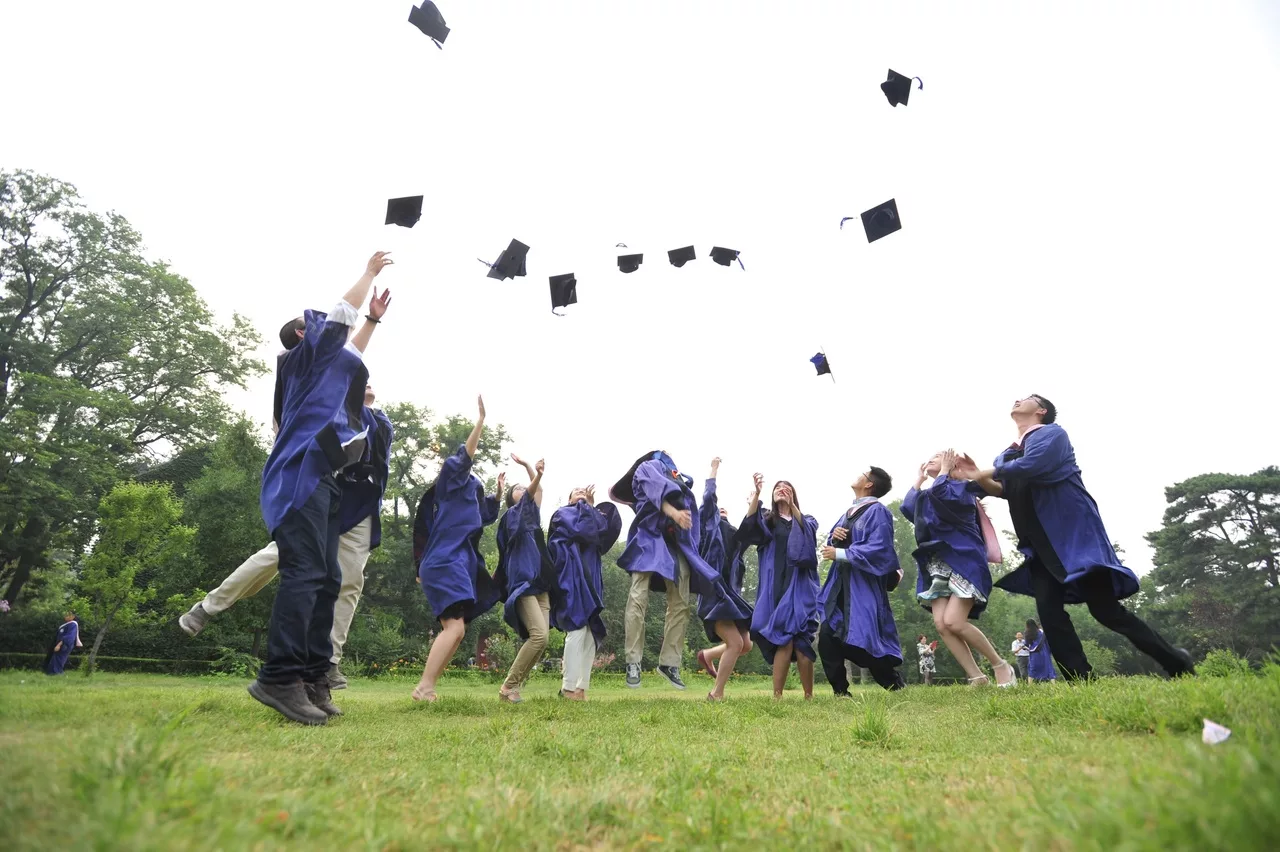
(371, 319)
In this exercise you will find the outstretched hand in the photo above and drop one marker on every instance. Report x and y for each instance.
(964, 467)
(379, 303)
(591, 494)
(376, 263)
(947, 462)
(502, 484)
(757, 481)
(540, 466)
(480, 405)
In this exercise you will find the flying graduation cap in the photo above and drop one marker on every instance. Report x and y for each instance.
(681, 256)
(724, 256)
(564, 292)
(823, 365)
(881, 221)
(630, 262)
(510, 264)
(428, 19)
(404, 212)
(898, 88)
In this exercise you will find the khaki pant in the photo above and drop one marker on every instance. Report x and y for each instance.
(673, 628)
(579, 657)
(261, 568)
(534, 612)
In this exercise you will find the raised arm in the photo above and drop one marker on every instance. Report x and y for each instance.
(966, 468)
(1045, 451)
(535, 484)
(473, 440)
(377, 307)
(360, 290)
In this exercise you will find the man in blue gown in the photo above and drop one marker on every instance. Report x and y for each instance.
(68, 637)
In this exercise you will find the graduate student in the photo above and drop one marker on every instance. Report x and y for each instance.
(322, 432)
(446, 535)
(1039, 658)
(67, 637)
(578, 537)
(1069, 556)
(360, 533)
(858, 623)
(661, 553)
(785, 622)
(953, 580)
(525, 575)
(720, 547)
(725, 615)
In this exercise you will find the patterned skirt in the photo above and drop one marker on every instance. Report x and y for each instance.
(946, 583)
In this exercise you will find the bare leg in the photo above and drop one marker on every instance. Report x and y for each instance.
(443, 647)
(958, 647)
(728, 631)
(805, 666)
(781, 667)
(714, 653)
(956, 617)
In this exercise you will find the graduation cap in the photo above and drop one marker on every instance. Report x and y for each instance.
(564, 292)
(510, 264)
(898, 88)
(630, 262)
(428, 19)
(724, 256)
(681, 256)
(823, 365)
(881, 221)
(404, 212)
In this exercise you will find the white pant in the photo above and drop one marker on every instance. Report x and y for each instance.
(579, 656)
(261, 568)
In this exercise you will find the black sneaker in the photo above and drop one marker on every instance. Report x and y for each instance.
(672, 674)
(289, 700)
(318, 694)
(633, 675)
(1186, 657)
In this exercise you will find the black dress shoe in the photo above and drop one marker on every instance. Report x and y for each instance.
(289, 700)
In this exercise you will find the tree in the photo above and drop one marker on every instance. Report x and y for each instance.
(140, 534)
(106, 360)
(1217, 561)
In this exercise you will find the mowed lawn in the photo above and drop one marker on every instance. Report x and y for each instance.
(153, 762)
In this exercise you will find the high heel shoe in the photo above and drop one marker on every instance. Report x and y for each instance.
(1013, 677)
(980, 680)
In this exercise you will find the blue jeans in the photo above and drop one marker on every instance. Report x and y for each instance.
(298, 641)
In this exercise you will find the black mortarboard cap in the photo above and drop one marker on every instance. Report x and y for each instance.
(898, 88)
(510, 264)
(724, 256)
(427, 18)
(630, 262)
(681, 256)
(564, 291)
(820, 361)
(881, 221)
(404, 212)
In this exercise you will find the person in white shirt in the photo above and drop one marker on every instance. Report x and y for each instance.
(1021, 654)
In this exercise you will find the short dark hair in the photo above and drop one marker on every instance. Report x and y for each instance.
(881, 481)
(510, 497)
(289, 332)
(1050, 410)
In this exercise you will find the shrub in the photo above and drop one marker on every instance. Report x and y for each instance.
(1224, 662)
(229, 661)
(1101, 658)
(501, 651)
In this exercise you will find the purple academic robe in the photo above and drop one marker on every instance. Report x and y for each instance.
(720, 547)
(946, 522)
(787, 602)
(1056, 519)
(855, 598)
(67, 634)
(364, 484)
(447, 528)
(1040, 663)
(579, 537)
(653, 538)
(523, 565)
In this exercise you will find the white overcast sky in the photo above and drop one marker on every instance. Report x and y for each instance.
(1090, 195)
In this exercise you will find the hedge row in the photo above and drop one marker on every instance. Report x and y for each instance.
(16, 660)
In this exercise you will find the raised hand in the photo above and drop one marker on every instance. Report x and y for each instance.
(379, 303)
(540, 466)
(376, 263)
(757, 481)
(715, 465)
(591, 494)
(502, 484)
(948, 461)
(965, 468)
(480, 405)
(515, 458)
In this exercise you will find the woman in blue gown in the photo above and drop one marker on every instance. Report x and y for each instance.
(1040, 663)
(785, 622)
(526, 577)
(446, 530)
(67, 637)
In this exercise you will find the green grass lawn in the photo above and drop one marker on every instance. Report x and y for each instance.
(154, 762)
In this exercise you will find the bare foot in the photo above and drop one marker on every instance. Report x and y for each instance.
(808, 696)
(422, 692)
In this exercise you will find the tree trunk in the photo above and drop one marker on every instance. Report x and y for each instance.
(257, 641)
(31, 548)
(97, 643)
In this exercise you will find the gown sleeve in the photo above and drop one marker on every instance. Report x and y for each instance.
(752, 530)
(652, 484)
(1045, 451)
(871, 549)
(908, 507)
(454, 473)
(489, 509)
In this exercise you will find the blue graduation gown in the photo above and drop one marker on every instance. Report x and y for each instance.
(578, 537)
(319, 379)
(67, 634)
(362, 491)
(1056, 519)
(450, 519)
(1040, 663)
(786, 604)
(946, 522)
(720, 547)
(855, 597)
(652, 536)
(523, 565)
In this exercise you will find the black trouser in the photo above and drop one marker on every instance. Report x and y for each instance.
(298, 641)
(834, 652)
(1022, 663)
(1100, 597)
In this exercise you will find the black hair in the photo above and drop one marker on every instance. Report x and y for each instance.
(920, 638)
(1033, 630)
(1050, 410)
(881, 481)
(289, 332)
(773, 507)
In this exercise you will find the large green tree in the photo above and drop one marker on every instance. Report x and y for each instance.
(107, 360)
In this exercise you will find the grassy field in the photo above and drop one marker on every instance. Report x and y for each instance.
(153, 762)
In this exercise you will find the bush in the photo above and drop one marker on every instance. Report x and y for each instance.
(1102, 659)
(376, 642)
(501, 650)
(235, 663)
(1224, 662)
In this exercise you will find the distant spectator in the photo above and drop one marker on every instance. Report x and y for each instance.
(1040, 661)
(925, 650)
(67, 637)
(1021, 654)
